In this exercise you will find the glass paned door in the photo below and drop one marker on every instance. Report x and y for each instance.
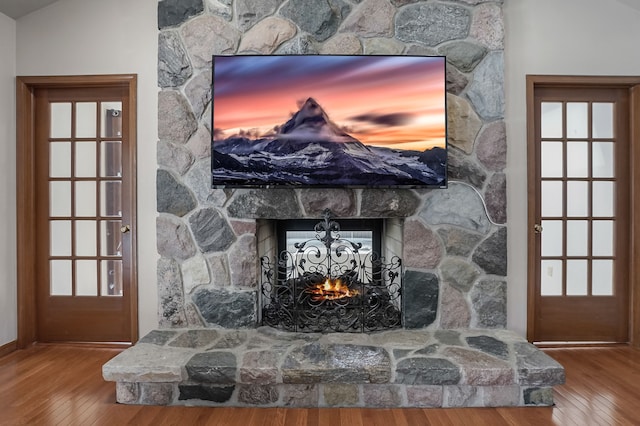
(581, 214)
(84, 214)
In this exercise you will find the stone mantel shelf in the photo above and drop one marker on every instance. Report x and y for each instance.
(398, 368)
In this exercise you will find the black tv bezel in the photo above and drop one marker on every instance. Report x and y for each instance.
(294, 185)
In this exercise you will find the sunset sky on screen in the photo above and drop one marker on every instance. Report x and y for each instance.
(393, 101)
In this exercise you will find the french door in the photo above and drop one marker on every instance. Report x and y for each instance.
(579, 182)
(83, 243)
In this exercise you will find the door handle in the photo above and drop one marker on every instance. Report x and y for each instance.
(125, 228)
(537, 228)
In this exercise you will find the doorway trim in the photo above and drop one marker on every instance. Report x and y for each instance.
(26, 190)
(633, 84)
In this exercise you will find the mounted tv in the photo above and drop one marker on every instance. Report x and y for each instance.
(329, 121)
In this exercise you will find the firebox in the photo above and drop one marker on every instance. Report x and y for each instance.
(336, 281)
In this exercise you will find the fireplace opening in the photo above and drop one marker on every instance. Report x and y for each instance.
(330, 276)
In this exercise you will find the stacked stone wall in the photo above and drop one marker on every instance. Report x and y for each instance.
(454, 239)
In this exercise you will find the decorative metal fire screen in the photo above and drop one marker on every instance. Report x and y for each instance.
(330, 284)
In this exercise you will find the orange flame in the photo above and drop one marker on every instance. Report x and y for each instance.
(331, 289)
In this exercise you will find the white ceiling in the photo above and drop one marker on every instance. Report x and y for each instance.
(18, 8)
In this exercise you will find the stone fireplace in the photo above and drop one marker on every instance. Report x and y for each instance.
(453, 349)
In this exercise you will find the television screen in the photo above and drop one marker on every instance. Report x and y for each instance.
(329, 121)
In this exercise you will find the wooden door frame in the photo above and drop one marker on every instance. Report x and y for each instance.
(633, 84)
(26, 190)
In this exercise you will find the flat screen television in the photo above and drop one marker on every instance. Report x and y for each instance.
(329, 121)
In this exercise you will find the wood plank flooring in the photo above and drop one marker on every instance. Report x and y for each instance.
(63, 385)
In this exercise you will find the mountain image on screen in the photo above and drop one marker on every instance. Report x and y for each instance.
(311, 150)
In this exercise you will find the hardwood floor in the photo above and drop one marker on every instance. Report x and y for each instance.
(62, 385)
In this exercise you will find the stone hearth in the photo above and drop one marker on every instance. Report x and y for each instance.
(398, 368)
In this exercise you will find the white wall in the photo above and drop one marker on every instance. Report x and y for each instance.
(75, 37)
(8, 302)
(561, 37)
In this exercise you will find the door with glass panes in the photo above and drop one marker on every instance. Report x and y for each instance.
(83, 214)
(579, 214)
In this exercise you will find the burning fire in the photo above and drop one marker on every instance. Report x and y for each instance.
(331, 289)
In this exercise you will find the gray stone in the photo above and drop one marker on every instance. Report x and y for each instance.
(487, 25)
(336, 363)
(341, 202)
(490, 345)
(500, 396)
(449, 337)
(172, 13)
(248, 12)
(173, 238)
(193, 317)
(303, 44)
(481, 369)
(427, 371)
(259, 367)
(198, 92)
(535, 368)
(257, 394)
(243, 262)
(462, 168)
(382, 46)
(147, 363)
(463, 124)
(264, 204)
(341, 395)
(428, 350)
(388, 203)
(174, 157)
(403, 2)
(496, 198)
(158, 337)
(127, 393)
(421, 50)
(459, 273)
(206, 392)
(199, 180)
(486, 91)
(208, 35)
(538, 396)
(226, 309)
(491, 146)
(432, 23)
(456, 81)
(220, 8)
(491, 254)
(170, 294)
(156, 393)
(176, 122)
(454, 310)
(424, 396)
(267, 35)
(459, 205)
(194, 339)
(172, 196)
(321, 21)
(463, 55)
(212, 368)
(300, 395)
(461, 396)
(174, 68)
(342, 44)
(420, 294)
(422, 248)
(457, 241)
(381, 396)
(371, 18)
(211, 230)
(489, 299)
(200, 146)
(231, 339)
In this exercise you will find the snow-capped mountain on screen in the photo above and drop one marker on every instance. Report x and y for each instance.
(311, 150)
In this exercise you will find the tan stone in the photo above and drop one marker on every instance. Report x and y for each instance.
(347, 44)
(267, 35)
(208, 35)
(463, 124)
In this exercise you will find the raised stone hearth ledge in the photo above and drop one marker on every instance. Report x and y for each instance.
(398, 368)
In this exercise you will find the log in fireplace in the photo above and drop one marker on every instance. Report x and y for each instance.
(331, 284)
